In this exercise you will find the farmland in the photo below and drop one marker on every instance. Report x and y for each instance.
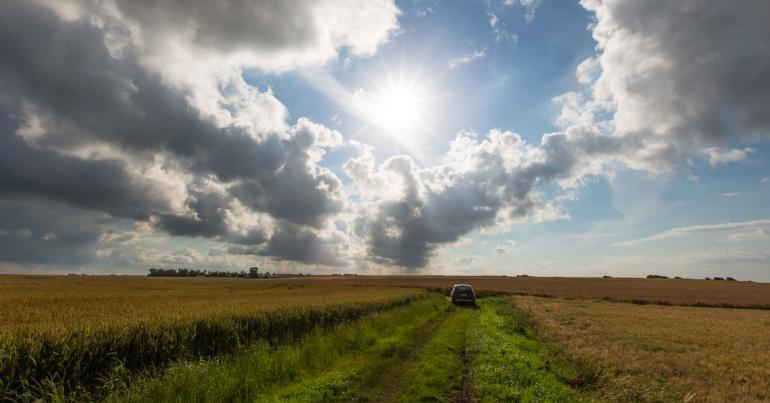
(662, 353)
(422, 352)
(686, 292)
(74, 334)
(362, 338)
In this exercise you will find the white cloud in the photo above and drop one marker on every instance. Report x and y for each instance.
(677, 62)
(588, 70)
(717, 156)
(696, 229)
(530, 6)
(465, 59)
(755, 235)
(501, 31)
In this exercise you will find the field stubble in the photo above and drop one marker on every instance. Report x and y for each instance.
(661, 353)
(686, 292)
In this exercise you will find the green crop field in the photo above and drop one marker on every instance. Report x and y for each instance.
(209, 340)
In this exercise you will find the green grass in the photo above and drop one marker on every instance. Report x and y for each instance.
(511, 365)
(425, 351)
(438, 374)
(326, 365)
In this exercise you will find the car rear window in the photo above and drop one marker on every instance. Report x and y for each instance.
(463, 289)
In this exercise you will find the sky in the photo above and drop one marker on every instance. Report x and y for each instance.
(539, 137)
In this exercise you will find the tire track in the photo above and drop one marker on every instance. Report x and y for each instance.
(465, 394)
(381, 383)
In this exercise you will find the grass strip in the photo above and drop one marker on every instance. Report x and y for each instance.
(324, 366)
(511, 365)
(439, 372)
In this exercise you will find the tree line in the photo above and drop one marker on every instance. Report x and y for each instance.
(186, 272)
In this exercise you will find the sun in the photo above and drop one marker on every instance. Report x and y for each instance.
(396, 110)
(399, 107)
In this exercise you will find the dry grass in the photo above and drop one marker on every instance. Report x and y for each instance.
(661, 353)
(725, 294)
(54, 304)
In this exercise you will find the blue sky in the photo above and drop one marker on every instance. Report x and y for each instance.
(511, 87)
(579, 138)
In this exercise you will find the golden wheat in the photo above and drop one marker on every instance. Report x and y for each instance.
(77, 335)
(688, 292)
(661, 353)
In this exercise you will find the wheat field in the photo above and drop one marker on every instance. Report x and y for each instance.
(661, 353)
(687, 292)
(79, 334)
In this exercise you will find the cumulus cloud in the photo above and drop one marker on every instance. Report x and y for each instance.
(490, 183)
(668, 84)
(41, 232)
(138, 110)
(690, 76)
(716, 156)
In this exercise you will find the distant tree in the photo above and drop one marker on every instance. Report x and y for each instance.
(656, 276)
(730, 279)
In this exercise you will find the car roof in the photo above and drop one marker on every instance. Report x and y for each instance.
(463, 285)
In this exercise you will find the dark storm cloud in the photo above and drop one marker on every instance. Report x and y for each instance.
(65, 94)
(293, 242)
(104, 185)
(41, 232)
(697, 71)
(405, 232)
(485, 186)
(230, 24)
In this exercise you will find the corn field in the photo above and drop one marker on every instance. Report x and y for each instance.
(62, 337)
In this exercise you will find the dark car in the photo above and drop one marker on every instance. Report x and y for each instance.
(463, 294)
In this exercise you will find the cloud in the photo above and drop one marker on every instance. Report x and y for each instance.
(136, 112)
(530, 6)
(113, 108)
(488, 184)
(504, 247)
(755, 235)
(465, 59)
(696, 229)
(679, 63)
(716, 156)
(41, 232)
(499, 28)
(731, 194)
(291, 242)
